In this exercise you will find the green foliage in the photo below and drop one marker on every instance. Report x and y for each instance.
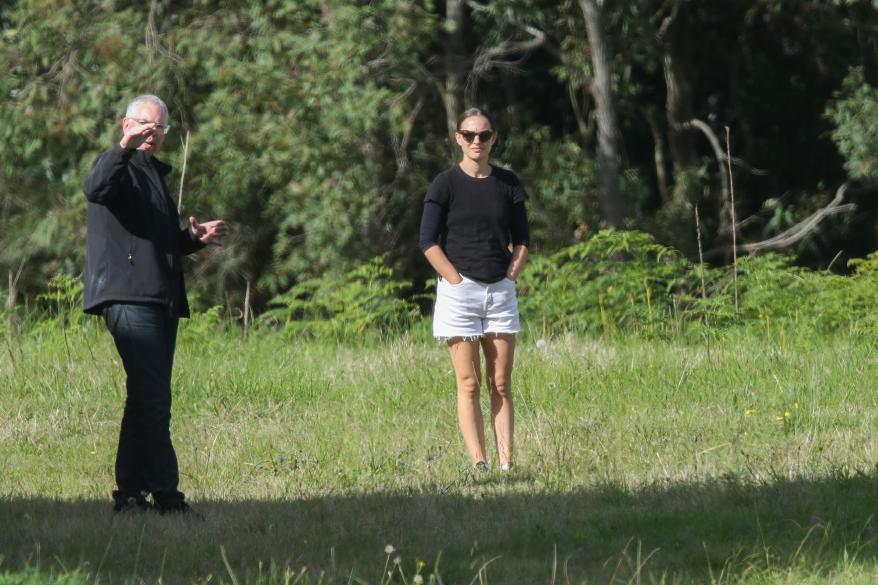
(561, 180)
(203, 326)
(363, 302)
(64, 299)
(773, 293)
(625, 281)
(282, 143)
(317, 125)
(854, 113)
(613, 280)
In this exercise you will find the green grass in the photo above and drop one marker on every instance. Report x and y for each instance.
(638, 461)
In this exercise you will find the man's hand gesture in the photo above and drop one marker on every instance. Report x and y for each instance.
(209, 232)
(137, 132)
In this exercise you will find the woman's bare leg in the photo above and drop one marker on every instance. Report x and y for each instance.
(467, 369)
(499, 356)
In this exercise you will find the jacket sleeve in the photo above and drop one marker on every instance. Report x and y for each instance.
(109, 176)
(188, 242)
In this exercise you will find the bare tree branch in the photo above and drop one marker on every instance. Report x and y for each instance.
(499, 55)
(152, 38)
(720, 159)
(400, 146)
(668, 20)
(796, 233)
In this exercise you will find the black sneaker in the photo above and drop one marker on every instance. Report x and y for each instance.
(131, 504)
(180, 508)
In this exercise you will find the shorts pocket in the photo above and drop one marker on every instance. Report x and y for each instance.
(456, 284)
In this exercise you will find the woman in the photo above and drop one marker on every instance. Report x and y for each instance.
(477, 211)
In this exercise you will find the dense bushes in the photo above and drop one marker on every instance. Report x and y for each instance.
(616, 281)
(365, 300)
(626, 281)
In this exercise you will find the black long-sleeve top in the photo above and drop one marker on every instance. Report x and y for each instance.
(475, 221)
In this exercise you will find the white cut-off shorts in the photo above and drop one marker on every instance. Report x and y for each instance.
(471, 309)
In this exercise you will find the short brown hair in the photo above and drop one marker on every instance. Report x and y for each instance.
(470, 112)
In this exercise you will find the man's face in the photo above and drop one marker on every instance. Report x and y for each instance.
(147, 113)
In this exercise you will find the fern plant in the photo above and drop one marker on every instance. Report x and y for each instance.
(368, 299)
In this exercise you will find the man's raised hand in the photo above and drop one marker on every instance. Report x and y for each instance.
(209, 232)
(136, 134)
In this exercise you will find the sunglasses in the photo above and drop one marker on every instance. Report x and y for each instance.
(484, 135)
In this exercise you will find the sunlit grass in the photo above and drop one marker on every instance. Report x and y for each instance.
(638, 460)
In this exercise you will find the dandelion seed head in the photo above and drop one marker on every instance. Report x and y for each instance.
(397, 561)
(417, 579)
(389, 549)
(541, 344)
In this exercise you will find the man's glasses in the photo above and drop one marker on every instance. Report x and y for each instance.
(484, 135)
(163, 128)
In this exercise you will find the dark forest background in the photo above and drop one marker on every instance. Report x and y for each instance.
(315, 126)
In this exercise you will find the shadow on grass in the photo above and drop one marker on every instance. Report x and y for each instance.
(684, 533)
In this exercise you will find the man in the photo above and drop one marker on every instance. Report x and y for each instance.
(134, 279)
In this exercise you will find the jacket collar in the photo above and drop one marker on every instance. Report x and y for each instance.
(146, 159)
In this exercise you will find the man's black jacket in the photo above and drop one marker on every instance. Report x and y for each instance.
(134, 236)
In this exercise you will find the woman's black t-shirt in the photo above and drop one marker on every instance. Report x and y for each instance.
(475, 220)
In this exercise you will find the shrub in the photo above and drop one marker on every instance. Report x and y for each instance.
(625, 281)
(64, 299)
(366, 299)
(614, 280)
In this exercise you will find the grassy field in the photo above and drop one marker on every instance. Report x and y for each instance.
(638, 461)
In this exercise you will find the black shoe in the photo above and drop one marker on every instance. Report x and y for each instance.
(180, 508)
(131, 504)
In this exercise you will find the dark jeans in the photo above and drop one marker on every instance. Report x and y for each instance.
(146, 336)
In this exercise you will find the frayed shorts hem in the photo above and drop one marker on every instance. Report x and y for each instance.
(446, 338)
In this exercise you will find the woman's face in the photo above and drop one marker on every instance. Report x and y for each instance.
(475, 138)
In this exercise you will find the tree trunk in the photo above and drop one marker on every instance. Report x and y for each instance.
(609, 137)
(653, 119)
(454, 71)
(679, 72)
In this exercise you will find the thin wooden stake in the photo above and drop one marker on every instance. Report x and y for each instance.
(734, 221)
(701, 264)
(247, 311)
(703, 286)
(183, 174)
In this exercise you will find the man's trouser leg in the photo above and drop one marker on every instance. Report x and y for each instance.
(145, 336)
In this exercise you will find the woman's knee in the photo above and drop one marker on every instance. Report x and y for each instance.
(468, 386)
(501, 386)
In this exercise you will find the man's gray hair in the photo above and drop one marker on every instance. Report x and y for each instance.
(147, 98)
